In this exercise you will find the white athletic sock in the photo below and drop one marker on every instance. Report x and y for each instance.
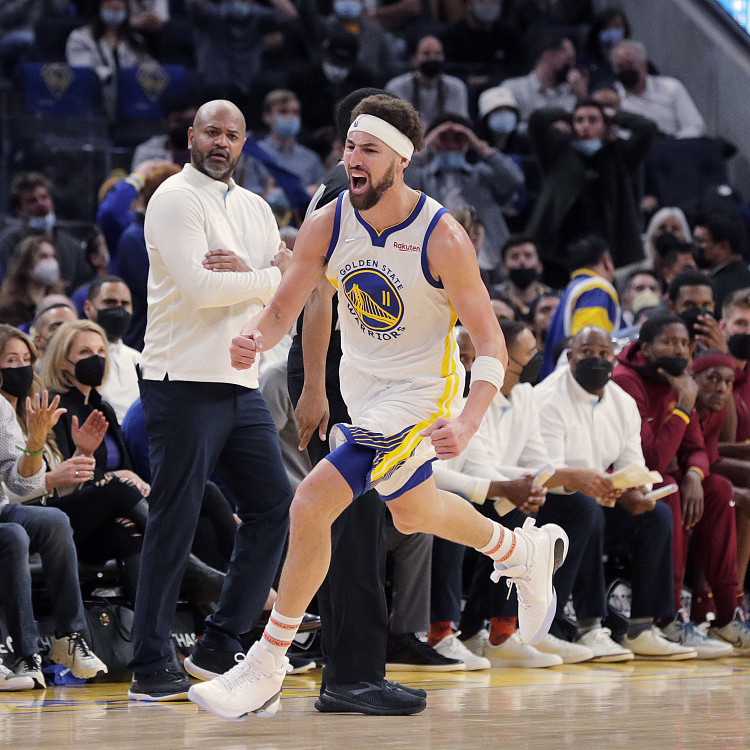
(279, 633)
(504, 546)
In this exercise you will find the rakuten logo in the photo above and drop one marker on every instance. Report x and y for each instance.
(404, 248)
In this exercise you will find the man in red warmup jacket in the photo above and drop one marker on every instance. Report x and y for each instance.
(653, 371)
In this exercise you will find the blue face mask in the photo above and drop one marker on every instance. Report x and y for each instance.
(450, 160)
(276, 198)
(588, 148)
(111, 17)
(502, 122)
(610, 37)
(286, 127)
(348, 10)
(42, 223)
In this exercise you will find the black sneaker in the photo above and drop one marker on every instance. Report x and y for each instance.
(408, 654)
(381, 698)
(169, 684)
(206, 663)
(418, 692)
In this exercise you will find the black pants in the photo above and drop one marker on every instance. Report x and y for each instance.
(193, 429)
(351, 600)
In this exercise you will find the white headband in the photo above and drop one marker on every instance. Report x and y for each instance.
(391, 136)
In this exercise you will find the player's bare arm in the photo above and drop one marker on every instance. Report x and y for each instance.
(452, 260)
(265, 330)
(312, 409)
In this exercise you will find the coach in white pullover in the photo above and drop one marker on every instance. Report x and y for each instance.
(212, 248)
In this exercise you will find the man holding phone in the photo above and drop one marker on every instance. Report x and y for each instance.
(589, 422)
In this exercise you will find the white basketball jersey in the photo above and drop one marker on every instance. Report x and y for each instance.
(396, 320)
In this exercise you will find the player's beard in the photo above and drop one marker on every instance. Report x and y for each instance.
(215, 170)
(370, 198)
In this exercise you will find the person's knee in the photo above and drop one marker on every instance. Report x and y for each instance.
(407, 520)
(718, 495)
(659, 521)
(584, 512)
(311, 507)
(14, 541)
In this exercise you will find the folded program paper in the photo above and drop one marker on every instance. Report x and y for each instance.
(633, 475)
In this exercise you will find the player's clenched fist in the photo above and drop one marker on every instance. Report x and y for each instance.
(244, 349)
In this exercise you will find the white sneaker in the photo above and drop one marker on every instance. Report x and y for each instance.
(653, 644)
(30, 667)
(687, 634)
(453, 648)
(570, 653)
(736, 632)
(546, 549)
(515, 653)
(11, 681)
(253, 686)
(73, 652)
(604, 648)
(475, 644)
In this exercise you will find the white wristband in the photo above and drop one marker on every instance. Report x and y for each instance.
(488, 369)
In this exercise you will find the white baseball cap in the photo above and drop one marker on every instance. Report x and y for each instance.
(496, 97)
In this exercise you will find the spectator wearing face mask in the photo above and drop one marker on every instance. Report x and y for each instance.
(375, 50)
(720, 239)
(111, 306)
(662, 99)
(553, 82)
(34, 272)
(523, 269)
(33, 211)
(485, 184)
(430, 91)
(320, 85)
(281, 113)
(482, 45)
(609, 27)
(587, 182)
(105, 45)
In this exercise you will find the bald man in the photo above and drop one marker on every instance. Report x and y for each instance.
(589, 423)
(215, 257)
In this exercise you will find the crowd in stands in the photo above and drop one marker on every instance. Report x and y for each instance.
(627, 319)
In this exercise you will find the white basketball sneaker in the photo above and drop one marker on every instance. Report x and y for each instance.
(253, 686)
(546, 550)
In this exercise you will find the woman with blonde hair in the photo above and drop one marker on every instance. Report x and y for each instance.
(33, 273)
(667, 220)
(75, 365)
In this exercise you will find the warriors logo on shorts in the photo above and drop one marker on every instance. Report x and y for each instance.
(373, 299)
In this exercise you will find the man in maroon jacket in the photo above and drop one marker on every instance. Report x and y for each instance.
(735, 325)
(714, 372)
(653, 371)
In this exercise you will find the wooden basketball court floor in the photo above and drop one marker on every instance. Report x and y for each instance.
(635, 705)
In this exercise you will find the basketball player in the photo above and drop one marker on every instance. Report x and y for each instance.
(404, 269)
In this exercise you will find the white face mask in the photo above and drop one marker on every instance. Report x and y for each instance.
(334, 73)
(42, 223)
(46, 272)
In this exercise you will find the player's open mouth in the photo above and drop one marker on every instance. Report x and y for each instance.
(358, 182)
(218, 155)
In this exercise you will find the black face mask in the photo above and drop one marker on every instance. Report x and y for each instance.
(593, 373)
(699, 253)
(431, 68)
(530, 371)
(675, 366)
(561, 74)
(115, 321)
(467, 384)
(90, 371)
(17, 380)
(523, 278)
(739, 345)
(629, 78)
(690, 318)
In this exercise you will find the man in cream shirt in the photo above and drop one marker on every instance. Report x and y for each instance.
(215, 260)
